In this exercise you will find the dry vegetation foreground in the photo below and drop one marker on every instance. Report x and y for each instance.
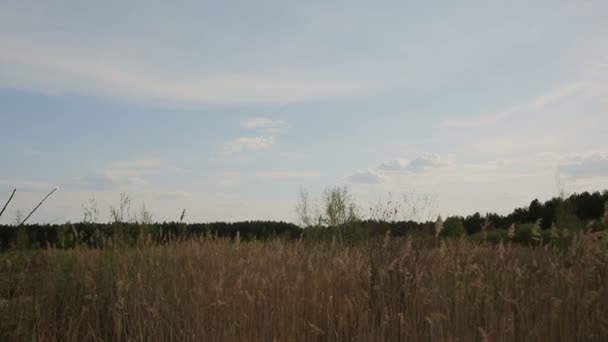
(387, 290)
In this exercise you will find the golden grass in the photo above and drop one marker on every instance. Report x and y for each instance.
(387, 290)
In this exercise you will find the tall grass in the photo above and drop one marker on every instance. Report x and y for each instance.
(209, 289)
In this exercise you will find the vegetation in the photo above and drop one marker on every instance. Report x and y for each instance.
(339, 278)
(335, 217)
(218, 289)
(99, 235)
(453, 228)
(566, 211)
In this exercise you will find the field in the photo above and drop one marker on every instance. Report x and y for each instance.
(386, 289)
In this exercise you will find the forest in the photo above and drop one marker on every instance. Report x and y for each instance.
(578, 212)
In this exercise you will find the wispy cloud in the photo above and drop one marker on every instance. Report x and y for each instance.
(124, 174)
(34, 65)
(281, 175)
(139, 164)
(420, 164)
(171, 195)
(539, 102)
(366, 177)
(247, 144)
(397, 164)
(399, 167)
(108, 180)
(266, 125)
(555, 95)
(586, 165)
(425, 162)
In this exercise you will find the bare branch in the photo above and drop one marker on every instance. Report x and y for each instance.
(38, 206)
(182, 216)
(7, 202)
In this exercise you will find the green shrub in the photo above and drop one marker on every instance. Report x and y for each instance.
(565, 218)
(492, 236)
(453, 227)
(527, 233)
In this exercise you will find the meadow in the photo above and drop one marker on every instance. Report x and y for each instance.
(341, 278)
(386, 289)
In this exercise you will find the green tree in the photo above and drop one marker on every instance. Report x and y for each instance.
(453, 227)
(339, 207)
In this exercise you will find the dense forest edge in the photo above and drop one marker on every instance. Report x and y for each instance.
(554, 221)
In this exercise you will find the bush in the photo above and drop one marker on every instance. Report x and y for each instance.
(453, 227)
(527, 233)
(492, 236)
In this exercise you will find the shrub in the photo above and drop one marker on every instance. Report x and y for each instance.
(492, 236)
(527, 233)
(453, 227)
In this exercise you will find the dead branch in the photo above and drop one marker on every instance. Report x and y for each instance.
(39, 204)
(7, 202)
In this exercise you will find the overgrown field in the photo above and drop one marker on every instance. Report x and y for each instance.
(388, 289)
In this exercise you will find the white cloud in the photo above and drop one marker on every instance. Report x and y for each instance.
(288, 175)
(247, 144)
(398, 164)
(431, 173)
(556, 95)
(366, 177)
(125, 174)
(390, 170)
(590, 184)
(586, 166)
(420, 164)
(171, 195)
(266, 125)
(110, 179)
(425, 162)
(551, 97)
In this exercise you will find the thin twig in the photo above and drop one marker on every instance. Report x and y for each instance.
(39, 204)
(7, 202)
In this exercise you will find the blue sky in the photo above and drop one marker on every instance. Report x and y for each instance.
(227, 108)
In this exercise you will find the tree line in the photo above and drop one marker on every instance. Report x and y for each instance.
(577, 209)
(334, 216)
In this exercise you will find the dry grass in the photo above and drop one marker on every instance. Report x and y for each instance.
(391, 290)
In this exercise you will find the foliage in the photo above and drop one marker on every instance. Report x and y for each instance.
(453, 227)
(338, 208)
(571, 211)
(528, 233)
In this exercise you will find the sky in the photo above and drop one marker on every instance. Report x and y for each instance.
(228, 108)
